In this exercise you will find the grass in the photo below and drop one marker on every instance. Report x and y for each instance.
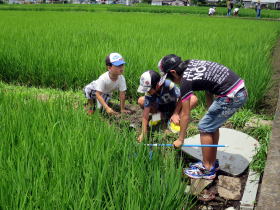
(198, 10)
(201, 10)
(238, 121)
(53, 156)
(67, 50)
(263, 135)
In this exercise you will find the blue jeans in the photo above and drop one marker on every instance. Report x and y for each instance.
(258, 13)
(229, 12)
(221, 110)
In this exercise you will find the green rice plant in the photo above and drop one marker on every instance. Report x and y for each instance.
(67, 50)
(263, 135)
(198, 10)
(201, 10)
(239, 119)
(53, 156)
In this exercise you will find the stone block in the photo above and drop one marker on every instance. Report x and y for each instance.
(229, 187)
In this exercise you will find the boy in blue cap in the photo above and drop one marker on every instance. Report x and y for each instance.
(100, 90)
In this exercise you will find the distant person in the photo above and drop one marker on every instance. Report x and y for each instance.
(212, 11)
(229, 7)
(99, 92)
(161, 98)
(225, 93)
(236, 11)
(258, 9)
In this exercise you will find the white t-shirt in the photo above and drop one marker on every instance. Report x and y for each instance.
(105, 85)
(211, 11)
(236, 10)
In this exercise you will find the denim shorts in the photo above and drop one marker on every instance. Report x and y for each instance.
(221, 110)
(90, 94)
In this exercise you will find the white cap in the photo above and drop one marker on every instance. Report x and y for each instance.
(145, 82)
(148, 80)
(116, 59)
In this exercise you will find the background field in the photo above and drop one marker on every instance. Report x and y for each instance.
(67, 49)
(201, 10)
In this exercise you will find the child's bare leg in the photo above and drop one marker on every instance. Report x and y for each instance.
(193, 102)
(209, 153)
(90, 106)
(141, 101)
(90, 103)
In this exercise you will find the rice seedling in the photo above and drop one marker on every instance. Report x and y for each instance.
(262, 134)
(201, 10)
(53, 156)
(67, 50)
(198, 10)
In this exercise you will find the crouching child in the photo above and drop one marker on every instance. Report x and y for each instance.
(160, 97)
(99, 92)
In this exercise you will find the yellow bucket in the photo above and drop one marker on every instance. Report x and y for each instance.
(173, 127)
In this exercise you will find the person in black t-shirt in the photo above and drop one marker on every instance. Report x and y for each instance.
(225, 94)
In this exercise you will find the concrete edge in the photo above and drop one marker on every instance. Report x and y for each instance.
(269, 194)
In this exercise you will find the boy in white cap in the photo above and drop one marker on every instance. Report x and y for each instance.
(100, 90)
(160, 97)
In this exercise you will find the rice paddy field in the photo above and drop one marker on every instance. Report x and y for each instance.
(54, 156)
(198, 10)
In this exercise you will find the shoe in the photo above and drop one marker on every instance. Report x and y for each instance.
(200, 165)
(90, 112)
(200, 173)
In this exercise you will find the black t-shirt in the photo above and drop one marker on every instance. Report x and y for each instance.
(208, 76)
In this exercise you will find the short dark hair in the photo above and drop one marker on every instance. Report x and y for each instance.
(179, 69)
(107, 61)
(155, 77)
(170, 62)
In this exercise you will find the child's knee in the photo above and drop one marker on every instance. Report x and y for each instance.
(194, 101)
(89, 93)
(141, 101)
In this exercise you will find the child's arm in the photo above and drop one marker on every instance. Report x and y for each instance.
(175, 116)
(108, 109)
(176, 92)
(145, 120)
(184, 121)
(209, 98)
(122, 102)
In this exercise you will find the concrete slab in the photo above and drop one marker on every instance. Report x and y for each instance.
(250, 192)
(235, 158)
